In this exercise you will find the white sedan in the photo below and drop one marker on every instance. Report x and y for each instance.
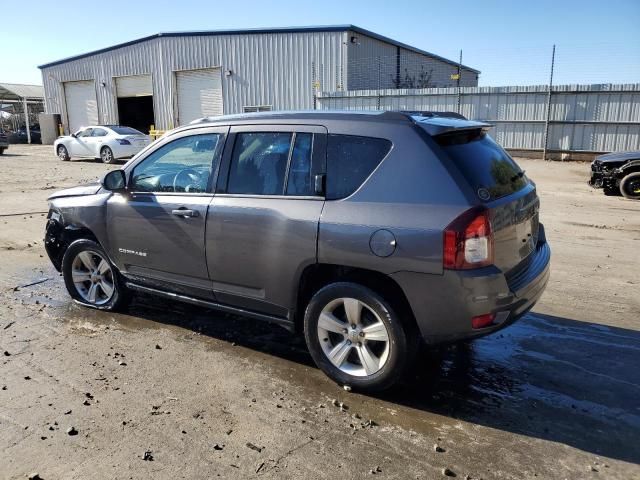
(106, 142)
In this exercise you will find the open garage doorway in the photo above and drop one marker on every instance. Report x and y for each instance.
(135, 102)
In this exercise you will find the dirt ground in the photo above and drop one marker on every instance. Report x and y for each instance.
(202, 394)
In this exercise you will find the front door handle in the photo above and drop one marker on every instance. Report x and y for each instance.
(183, 212)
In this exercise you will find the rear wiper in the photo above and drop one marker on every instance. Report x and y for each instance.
(517, 176)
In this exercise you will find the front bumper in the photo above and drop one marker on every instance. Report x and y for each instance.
(444, 305)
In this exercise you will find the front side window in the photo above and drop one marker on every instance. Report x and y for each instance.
(259, 163)
(350, 160)
(184, 165)
(85, 133)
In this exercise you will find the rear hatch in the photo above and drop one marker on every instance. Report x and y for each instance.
(502, 187)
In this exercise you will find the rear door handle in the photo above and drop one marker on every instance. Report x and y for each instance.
(184, 212)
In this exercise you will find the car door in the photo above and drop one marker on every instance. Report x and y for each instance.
(98, 137)
(81, 144)
(157, 228)
(262, 225)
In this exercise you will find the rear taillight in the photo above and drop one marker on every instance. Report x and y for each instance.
(468, 241)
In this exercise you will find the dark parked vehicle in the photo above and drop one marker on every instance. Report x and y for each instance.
(4, 142)
(20, 136)
(617, 173)
(368, 232)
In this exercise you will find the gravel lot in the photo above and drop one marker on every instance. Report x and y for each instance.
(171, 391)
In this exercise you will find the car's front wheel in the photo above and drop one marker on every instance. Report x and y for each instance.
(630, 186)
(106, 155)
(90, 277)
(62, 152)
(355, 337)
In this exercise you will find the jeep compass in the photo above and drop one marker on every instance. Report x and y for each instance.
(367, 232)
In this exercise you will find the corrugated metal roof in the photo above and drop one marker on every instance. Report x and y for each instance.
(16, 91)
(255, 31)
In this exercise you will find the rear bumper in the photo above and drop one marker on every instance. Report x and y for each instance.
(126, 151)
(444, 305)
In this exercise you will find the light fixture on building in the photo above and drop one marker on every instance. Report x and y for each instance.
(228, 73)
(102, 84)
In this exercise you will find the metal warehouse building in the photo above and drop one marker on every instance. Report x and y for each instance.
(170, 79)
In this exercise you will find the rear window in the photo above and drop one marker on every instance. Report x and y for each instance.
(350, 160)
(126, 131)
(487, 167)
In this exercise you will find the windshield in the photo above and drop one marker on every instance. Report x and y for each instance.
(126, 131)
(487, 167)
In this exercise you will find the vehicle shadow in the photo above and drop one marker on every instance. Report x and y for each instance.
(545, 377)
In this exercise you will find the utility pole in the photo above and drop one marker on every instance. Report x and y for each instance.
(546, 123)
(459, 76)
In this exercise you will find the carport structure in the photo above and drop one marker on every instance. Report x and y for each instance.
(20, 103)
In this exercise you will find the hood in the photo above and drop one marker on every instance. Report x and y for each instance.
(88, 189)
(619, 156)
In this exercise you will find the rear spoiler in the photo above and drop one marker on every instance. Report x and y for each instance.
(435, 126)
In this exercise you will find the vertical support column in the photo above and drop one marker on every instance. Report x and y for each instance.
(379, 83)
(548, 117)
(459, 76)
(25, 106)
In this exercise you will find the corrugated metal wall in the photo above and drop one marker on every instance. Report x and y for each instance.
(373, 63)
(594, 118)
(278, 69)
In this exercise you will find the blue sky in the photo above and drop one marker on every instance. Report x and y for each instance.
(510, 42)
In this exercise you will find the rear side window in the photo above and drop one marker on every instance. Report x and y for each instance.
(487, 167)
(259, 163)
(350, 160)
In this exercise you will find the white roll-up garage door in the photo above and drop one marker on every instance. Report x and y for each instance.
(82, 107)
(134, 86)
(199, 94)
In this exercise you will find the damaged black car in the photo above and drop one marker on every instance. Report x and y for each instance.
(617, 173)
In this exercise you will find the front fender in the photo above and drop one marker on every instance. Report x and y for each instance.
(632, 166)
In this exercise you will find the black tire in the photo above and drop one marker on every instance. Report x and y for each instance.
(630, 186)
(120, 296)
(1, 151)
(106, 155)
(400, 349)
(62, 153)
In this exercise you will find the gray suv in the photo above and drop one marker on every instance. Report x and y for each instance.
(367, 232)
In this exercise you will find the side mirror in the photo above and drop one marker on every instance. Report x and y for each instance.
(319, 184)
(74, 135)
(115, 181)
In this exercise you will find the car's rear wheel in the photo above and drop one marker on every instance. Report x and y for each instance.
(90, 277)
(62, 152)
(630, 186)
(1, 151)
(355, 337)
(106, 155)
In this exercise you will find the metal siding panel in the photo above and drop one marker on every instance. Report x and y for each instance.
(268, 69)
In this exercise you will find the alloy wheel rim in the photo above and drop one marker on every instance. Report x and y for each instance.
(353, 337)
(61, 153)
(106, 155)
(92, 277)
